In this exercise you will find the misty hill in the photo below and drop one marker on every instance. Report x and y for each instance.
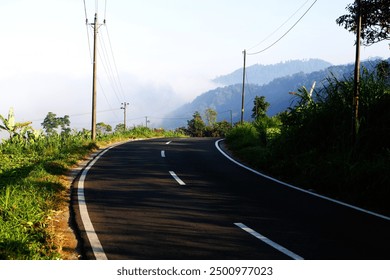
(228, 98)
(263, 74)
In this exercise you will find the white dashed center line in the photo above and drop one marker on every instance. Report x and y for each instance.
(173, 174)
(269, 242)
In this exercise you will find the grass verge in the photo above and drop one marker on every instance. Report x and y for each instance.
(33, 189)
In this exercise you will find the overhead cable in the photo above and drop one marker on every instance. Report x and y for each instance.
(277, 29)
(288, 31)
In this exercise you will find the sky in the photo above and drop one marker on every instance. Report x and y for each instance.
(153, 54)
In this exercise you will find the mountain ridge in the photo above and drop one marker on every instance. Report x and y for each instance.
(262, 74)
(226, 100)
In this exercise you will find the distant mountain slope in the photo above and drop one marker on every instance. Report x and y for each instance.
(263, 74)
(228, 98)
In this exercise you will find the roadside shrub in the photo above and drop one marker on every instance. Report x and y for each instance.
(243, 135)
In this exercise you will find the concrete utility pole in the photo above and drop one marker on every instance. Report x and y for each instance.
(124, 107)
(243, 88)
(146, 121)
(355, 107)
(95, 31)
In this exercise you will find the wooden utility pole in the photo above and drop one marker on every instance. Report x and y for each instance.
(124, 107)
(95, 31)
(355, 104)
(243, 88)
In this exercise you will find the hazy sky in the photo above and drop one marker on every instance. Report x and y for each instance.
(165, 51)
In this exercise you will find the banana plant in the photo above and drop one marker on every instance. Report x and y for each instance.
(11, 126)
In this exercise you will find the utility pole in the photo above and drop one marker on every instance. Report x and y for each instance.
(95, 31)
(243, 88)
(355, 107)
(146, 121)
(124, 107)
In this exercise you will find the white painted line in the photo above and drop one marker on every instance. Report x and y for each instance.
(169, 142)
(162, 153)
(269, 242)
(96, 246)
(299, 189)
(173, 174)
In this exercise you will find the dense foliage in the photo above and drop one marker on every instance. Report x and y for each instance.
(375, 20)
(310, 144)
(196, 127)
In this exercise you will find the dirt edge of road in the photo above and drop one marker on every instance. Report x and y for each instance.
(64, 225)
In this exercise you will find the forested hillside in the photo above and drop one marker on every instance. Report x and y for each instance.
(228, 98)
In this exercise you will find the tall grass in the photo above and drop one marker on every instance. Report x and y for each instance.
(31, 184)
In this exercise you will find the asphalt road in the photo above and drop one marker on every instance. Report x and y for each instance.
(183, 199)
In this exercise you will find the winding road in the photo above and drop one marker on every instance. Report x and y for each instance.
(185, 199)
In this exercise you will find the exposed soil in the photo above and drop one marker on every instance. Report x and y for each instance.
(64, 237)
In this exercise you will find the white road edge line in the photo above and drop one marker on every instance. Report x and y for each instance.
(162, 153)
(269, 242)
(173, 174)
(169, 142)
(96, 246)
(299, 189)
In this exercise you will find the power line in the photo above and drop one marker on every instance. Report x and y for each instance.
(108, 103)
(251, 97)
(85, 11)
(114, 61)
(108, 68)
(111, 68)
(277, 29)
(87, 29)
(82, 114)
(288, 31)
(105, 9)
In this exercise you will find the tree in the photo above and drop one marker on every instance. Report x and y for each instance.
(375, 20)
(65, 124)
(103, 128)
(260, 107)
(211, 116)
(383, 71)
(196, 126)
(220, 129)
(52, 122)
(119, 127)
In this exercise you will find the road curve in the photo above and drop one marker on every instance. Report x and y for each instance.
(183, 199)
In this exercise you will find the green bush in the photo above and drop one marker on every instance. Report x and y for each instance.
(243, 135)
